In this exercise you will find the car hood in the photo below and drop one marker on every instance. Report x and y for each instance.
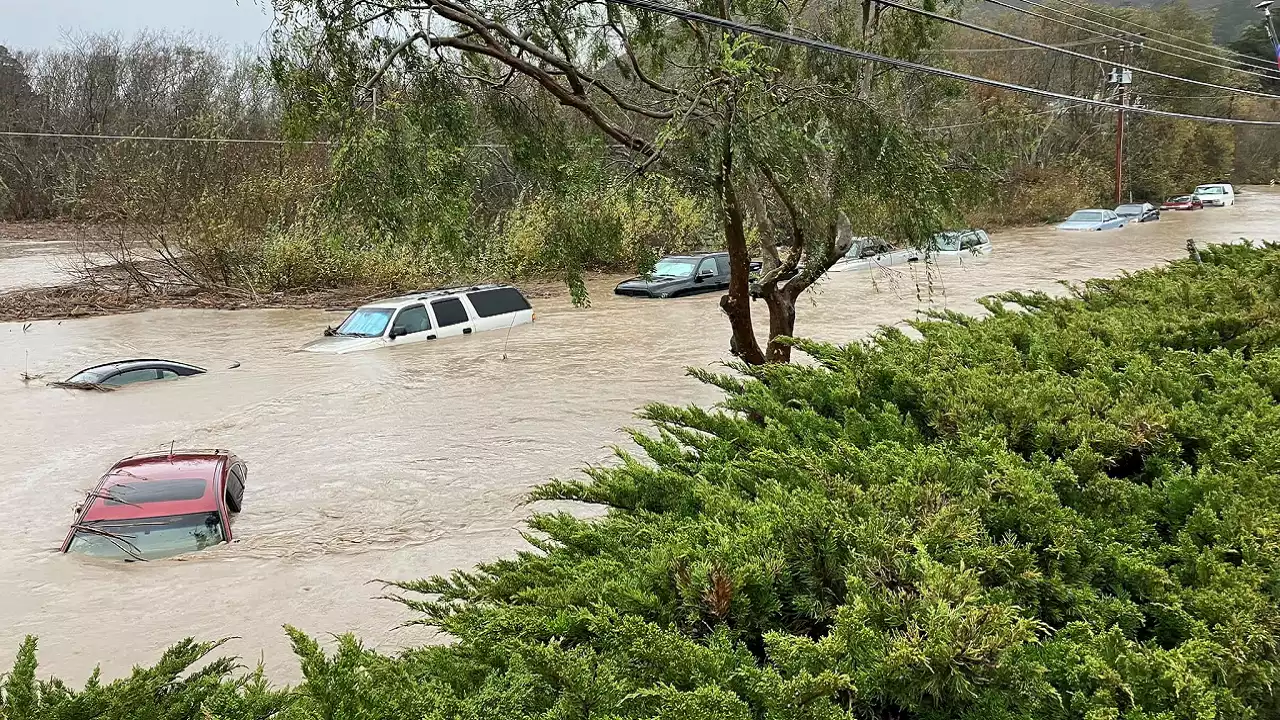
(639, 283)
(337, 344)
(1080, 225)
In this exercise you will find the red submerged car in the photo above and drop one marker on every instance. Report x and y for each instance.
(160, 504)
(1183, 202)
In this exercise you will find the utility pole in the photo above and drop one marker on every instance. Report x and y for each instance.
(1121, 78)
(1265, 7)
(1120, 140)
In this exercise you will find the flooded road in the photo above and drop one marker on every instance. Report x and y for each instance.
(395, 463)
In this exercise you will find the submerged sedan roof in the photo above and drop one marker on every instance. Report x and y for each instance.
(143, 486)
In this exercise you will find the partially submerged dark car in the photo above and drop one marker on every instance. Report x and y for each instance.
(1138, 212)
(124, 372)
(680, 275)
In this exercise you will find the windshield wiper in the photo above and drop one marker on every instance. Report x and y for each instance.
(113, 498)
(120, 541)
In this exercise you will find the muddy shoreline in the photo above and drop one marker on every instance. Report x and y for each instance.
(78, 300)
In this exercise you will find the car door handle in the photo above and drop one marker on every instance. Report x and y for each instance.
(466, 331)
(431, 337)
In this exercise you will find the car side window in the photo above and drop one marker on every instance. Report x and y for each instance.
(970, 241)
(708, 267)
(449, 312)
(722, 264)
(166, 374)
(132, 376)
(413, 320)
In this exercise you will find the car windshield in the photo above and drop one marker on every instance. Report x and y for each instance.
(365, 322)
(1208, 191)
(92, 376)
(946, 241)
(1130, 210)
(1180, 199)
(147, 538)
(674, 267)
(1087, 216)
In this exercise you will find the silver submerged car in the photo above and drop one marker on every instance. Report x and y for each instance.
(1096, 219)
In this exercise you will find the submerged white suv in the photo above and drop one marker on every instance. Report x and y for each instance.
(426, 316)
(1216, 194)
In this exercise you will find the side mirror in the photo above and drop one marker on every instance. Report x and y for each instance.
(396, 331)
(703, 275)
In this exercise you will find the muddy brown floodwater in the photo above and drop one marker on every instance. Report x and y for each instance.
(395, 463)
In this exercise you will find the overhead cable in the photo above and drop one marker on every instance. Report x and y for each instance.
(161, 138)
(1217, 61)
(775, 35)
(1050, 111)
(1156, 30)
(1077, 43)
(1065, 51)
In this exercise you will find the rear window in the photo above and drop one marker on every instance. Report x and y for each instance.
(497, 301)
(150, 491)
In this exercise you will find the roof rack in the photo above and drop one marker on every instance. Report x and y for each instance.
(424, 294)
(175, 452)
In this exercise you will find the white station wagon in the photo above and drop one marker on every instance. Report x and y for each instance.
(426, 316)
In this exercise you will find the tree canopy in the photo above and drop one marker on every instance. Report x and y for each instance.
(786, 141)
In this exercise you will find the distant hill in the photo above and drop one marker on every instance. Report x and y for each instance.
(1231, 17)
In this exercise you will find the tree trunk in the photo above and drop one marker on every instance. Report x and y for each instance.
(782, 323)
(737, 303)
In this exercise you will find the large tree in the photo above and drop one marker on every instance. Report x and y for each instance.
(800, 149)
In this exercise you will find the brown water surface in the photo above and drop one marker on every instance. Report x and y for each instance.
(394, 463)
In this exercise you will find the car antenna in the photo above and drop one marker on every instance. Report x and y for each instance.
(171, 449)
(508, 337)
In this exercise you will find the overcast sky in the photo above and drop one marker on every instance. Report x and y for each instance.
(36, 24)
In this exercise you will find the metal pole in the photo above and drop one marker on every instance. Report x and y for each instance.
(1120, 82)
(1265, 7)
(1120, 150)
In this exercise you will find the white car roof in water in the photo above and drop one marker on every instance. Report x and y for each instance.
(400, 301)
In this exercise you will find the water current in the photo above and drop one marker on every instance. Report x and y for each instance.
(396, 463)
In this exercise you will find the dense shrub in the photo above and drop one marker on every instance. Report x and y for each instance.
(1065, 510)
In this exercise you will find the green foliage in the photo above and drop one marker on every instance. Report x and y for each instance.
(1067, 510)
(181, 685)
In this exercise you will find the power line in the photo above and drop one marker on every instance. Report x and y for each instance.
(989, 120)
(1183, 97)
(162, 138)
(172, 138)
(1065, 51)
(1216, 57)
(1016, 49)
(1217, 61)
(1154, 30)
(788, 39)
